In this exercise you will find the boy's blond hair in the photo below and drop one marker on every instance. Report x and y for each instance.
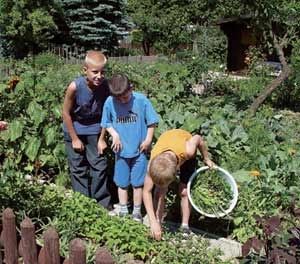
(94, 58)
(163, 169)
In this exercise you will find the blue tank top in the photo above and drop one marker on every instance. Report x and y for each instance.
(87, 109)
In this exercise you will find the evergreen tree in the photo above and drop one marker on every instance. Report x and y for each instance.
(95, 24)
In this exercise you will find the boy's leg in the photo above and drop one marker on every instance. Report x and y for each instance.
(186, 171)
(98, 166)
(185, 204)
(77, 166)
(121, 178)
(138, 172)
(123, 195)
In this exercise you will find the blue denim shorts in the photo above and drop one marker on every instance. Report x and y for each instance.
(130, 171)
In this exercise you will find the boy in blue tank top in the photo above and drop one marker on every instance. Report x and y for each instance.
(130, 119)
(82, 111)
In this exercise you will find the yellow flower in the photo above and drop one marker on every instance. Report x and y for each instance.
(292, 151)
(255, 173)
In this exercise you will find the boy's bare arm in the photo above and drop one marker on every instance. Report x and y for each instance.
(148, 140)
(194, 143)
(67, 107)
(102, 145)
(116, 142)
(148, 202)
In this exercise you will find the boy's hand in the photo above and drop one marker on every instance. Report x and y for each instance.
(116, 143)
(101, 146)
(145, 146)
(77, 145)
(209, 163)
(156, 230)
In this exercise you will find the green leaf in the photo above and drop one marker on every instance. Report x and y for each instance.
(57, 110)
(33, 146)
(242, 176)
(50, 135)
(224, 128)
(15, 129)
(239, 133)
(238, 220)
(36, 113)
(191, 123)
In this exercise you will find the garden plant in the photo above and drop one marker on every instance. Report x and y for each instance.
(261, 152)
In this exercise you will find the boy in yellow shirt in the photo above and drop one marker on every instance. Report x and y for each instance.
(175, 150)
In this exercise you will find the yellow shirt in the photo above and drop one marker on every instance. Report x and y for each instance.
(175, 141)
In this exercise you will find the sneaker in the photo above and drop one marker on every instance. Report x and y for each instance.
(137, 217)
(114, 212)
(185, 231)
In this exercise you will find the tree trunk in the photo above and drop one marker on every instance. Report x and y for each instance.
(276, 82)
(146, 47)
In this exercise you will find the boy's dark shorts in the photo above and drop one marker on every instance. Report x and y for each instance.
(187, 169)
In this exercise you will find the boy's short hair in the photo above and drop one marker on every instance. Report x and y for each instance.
(163, 169)
(119, 84)
(94, 57)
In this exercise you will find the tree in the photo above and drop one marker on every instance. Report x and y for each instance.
(163, 23)
(95, 24)
(277, 22)
(26, 25)
(166, 24)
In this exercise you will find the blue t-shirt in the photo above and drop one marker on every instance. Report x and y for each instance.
(130, 120)
(87, 109)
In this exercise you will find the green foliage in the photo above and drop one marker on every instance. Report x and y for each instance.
(211, 44)
(168, 25)
(268, 143)
(80, 216)
(288, 94)
(27, 25)
(211, 193)
(32, 199)
(34, 141)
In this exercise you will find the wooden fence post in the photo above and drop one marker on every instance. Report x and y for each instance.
(103, 256)
(51, 247)
(77, 252)
(28, 243)
(10, 237)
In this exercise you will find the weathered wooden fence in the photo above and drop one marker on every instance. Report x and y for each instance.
(6, 68)
(26, 250)
(75, 55)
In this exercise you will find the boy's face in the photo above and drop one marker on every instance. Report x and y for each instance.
(125, 97)
(94, 74)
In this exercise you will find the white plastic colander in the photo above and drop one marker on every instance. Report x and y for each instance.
(229, 178)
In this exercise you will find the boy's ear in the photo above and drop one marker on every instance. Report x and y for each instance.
(131, 86)
(84, 69)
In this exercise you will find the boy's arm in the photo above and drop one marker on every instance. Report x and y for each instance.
(102, 145)
(116, 142)
(155, 226)
(194, 143)
(67, 107)
(148, 140)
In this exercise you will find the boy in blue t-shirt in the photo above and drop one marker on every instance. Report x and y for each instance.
(130, 119)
